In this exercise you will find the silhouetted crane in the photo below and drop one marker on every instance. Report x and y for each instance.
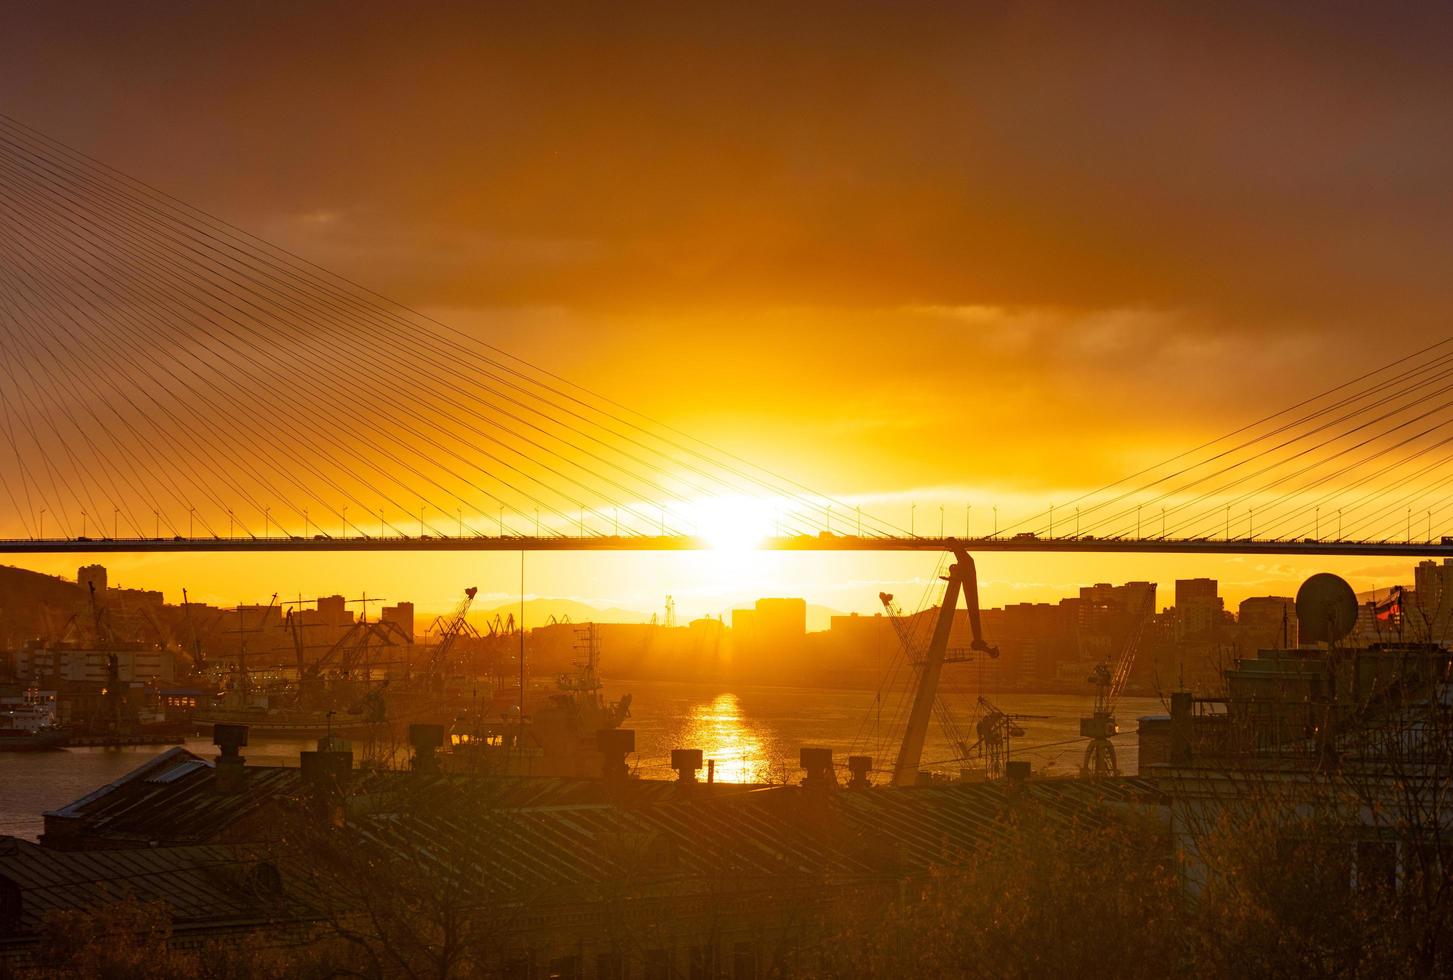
(1109, 682)
(962, 580)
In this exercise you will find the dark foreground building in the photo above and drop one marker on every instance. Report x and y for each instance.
(518, 877)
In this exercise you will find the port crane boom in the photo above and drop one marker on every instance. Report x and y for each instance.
(962, 579)
(449, 631)
(1109, 682)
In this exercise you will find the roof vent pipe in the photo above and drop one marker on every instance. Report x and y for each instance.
(231, 777)
(687, 763)
(425, 739)
(817, 763)
(614, 745)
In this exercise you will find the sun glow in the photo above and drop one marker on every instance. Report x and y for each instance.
(732, 523)
(726, 738)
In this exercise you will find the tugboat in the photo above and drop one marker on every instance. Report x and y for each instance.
(557, 739)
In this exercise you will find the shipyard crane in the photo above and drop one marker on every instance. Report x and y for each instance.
(1109, 682)
(293, 623)
(243, 681)
(449, 630)
(913, 650)
(99, 623)
(196, 652)
(962, 580)
(52, 634)
(995, 728)
(352, 648)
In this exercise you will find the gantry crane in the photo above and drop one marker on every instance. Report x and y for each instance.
(1109, 682)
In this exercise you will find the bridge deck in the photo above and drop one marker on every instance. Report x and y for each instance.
(822, 542)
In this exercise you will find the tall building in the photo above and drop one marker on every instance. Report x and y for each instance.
(1266, 622)
(401, 615)
(333, 617)
(1106, 616)
(1429, 612)
(88, 575)
(1192, 589)
(771, 623)
(784, 618)
(1199, 610)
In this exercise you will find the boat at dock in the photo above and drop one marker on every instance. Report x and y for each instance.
(28, 723)
(556, 737)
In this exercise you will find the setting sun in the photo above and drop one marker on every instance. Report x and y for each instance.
(732, 523)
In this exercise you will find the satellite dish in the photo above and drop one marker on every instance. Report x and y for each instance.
(1326, 608)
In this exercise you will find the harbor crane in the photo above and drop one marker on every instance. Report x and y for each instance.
(962, 580)
(995, 728)
(449, 629)
(1109, 682)
(198, 660)
(914, 652)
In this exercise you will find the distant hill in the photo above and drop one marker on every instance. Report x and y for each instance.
(539, 610)
(820, 617)
(23, 596)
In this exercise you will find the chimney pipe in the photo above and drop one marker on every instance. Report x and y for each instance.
(614, 745)
(325, 775)
(818, 765)
(425, 739)
(231, 776)
(687, 763)
(1181, 728)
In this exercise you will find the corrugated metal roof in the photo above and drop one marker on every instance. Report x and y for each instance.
(572, 835)
(204, 886)
(176, 772)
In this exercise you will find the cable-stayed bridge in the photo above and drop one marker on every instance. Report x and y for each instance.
(169, 382)
(822, 542)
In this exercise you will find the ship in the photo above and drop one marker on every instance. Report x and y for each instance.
(28, 723)
(557, 738)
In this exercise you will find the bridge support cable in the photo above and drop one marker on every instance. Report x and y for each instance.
(1127, 488)
(1196, 491)
(214, 371)
(1338, 452)
(1236, 493)
(310, 356)
(321, 406)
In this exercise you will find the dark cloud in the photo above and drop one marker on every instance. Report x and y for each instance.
(1256, 160)
(1027, 225)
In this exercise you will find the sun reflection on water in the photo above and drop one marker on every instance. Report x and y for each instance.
(722, 734)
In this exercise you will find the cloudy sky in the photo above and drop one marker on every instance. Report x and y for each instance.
(994, 254)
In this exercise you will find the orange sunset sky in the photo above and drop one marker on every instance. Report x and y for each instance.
(913, 254)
